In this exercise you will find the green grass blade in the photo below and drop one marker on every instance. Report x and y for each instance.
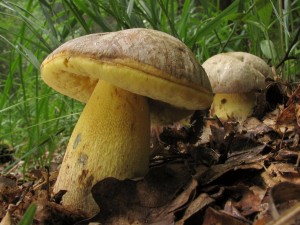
(77, 14)
(28, 216)
(95, 15)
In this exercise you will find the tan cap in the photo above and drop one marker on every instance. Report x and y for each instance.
(145, 62)
(235, 72)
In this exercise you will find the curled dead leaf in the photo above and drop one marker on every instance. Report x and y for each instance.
(213, 216)
(152, 200)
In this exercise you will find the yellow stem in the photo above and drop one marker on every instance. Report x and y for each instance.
(110, 139)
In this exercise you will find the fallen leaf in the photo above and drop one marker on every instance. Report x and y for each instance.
(251, 202)
(250, 159)
(284, 192)
(290, 217)
(290, 115)
(253, 126)
(230, 209)
(287, 155)
(213, 216)
(280, 172)
(204, 155)
(283, 205)
(297, 112)
(183, 197)
(201, 202)
(146, 201)
(271, 120)
(7, 219)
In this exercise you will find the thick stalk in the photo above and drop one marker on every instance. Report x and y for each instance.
(110, 139)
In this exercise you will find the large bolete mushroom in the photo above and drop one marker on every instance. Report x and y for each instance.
(121, 76)
(235, 77)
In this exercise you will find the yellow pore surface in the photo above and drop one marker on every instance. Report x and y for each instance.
(77, 76)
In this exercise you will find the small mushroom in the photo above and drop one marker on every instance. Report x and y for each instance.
(122, 77)
(235, 77)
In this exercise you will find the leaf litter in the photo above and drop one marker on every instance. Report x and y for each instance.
(204, 171)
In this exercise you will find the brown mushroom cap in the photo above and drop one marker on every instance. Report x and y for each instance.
(236, 72)
(145, 62)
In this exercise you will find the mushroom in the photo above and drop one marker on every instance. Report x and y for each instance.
(235, 78)
(122, 77)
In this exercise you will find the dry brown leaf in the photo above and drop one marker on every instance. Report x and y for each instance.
(271, 120)
(151, 200)
(280, 172)
(287, 115)
(204, 155)
(260, 221)
(201, 202)
(295, 97)
(7, 219)
(182, 198)
(290, 115)
(283, 205)
(290, 217)
(52, 213)
(284, 192)
(287, 155)
(254, 126)
(251, 201)
(297, 113)
(250, 159)
(213, 216)
(230, 209)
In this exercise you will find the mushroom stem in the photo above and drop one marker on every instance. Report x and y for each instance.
(233, 105)
(110, 139)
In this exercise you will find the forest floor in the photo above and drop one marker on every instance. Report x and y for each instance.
(213, 172)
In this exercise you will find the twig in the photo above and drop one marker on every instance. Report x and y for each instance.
(48, 182)
(283, 135)
(229, 38)
(286, 56)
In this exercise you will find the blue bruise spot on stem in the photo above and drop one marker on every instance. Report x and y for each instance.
(77, 140)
